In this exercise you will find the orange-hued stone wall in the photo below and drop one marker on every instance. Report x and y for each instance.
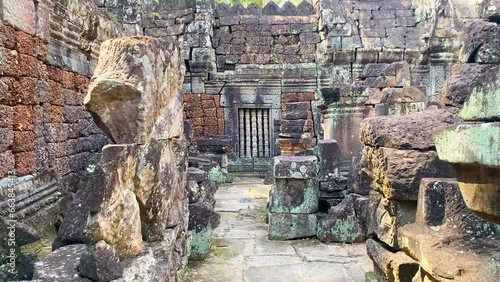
(43, 123)
(205, 113)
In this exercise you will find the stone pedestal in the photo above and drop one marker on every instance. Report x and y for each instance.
(293, 198)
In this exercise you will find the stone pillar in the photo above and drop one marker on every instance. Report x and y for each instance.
(294, 198)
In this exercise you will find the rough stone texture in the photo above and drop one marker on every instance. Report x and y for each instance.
(100, 263)
(145, 90)
(385, 217)
(440, 203)
(61, 265)
(412, 131)
(397, 173)
(294, 196)
(469, 78)
(392, 266)
(481, 43)
(328, 154)
(341, 224)
(295, 167)
(284, 226)
(356, 183)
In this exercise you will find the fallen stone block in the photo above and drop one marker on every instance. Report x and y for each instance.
(469, 79)
(465, 257)
(412, 131)
(477, 166)
(480, 42)
(61, 265)
(397, 173)
(283, 226)
(294, 196)
(100, 263)
(340, 224)
(385, 217)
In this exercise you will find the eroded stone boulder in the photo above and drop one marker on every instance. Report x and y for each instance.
(134, 94)
(61, 265)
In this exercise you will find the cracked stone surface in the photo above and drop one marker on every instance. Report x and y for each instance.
(242, 252)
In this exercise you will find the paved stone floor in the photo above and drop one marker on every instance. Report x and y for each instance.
(242, 252)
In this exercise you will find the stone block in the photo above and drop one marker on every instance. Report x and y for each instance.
(340, 224)
(202, 221)
(113, 90)
(295, 167)
(331, 186)
(397, 173)
(20, 14)
(393, 266)
(386, 216)
(328, 152)
(468, 79)
(466, 144)
(66, 259)
(356, 183)
(283, 226)
(441, 204)
(295, 111)
(481, 43)
(100, 263)
(412, 131)
(294, 196)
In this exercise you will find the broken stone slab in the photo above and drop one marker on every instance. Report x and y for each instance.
(469, 78)
(481, 43)
(61, 265)
(295, 167)
(414, 131)
(340, 224)
(441, 204)
(393, 266)
(328, 152)
(100, 263)
(283, 226)
(294, 196)
(397, 173)
(465, 257)
(385, 217)
(135, 89)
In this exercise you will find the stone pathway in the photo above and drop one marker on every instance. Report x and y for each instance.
(242, 252)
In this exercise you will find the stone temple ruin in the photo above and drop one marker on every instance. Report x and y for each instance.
(374, 122)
